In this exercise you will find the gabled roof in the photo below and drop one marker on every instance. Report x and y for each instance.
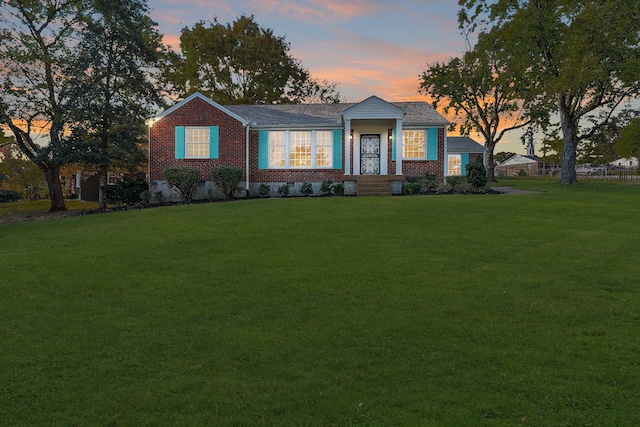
(520, 159)
(463, 144)
(205, 99)
(322, 115)
(373, 108)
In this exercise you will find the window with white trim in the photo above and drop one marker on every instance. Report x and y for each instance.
(113, 178)
(324, 148)
(301, 149)
(413, 144)
(197, 141)
(455, 164)
(277, 149)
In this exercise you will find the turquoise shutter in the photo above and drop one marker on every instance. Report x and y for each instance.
(393, 145)
(463, 163)
(214, 136)
(337, 149)
(263, 149)
(432, 144)
(179, 142)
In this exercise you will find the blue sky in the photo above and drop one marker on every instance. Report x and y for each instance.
(368, 47)
(372, 47)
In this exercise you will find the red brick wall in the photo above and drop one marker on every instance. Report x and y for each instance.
(288, 175)
(196, 113)
(413, 168)
(232, 150)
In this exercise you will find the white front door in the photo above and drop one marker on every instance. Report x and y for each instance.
(370, 154)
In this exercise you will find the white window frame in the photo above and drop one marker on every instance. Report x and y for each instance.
(191, 130)
(424, 144)
(318, 142)
(458, 166)
(113, 178)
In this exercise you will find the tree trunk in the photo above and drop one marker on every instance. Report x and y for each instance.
(56, 195)
(102, 203)
(490, 166)
(569, 149)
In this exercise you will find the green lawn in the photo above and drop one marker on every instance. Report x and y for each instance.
(428, 310)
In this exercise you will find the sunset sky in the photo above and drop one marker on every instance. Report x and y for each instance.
(372, 47)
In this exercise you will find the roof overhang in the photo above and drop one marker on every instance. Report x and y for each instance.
(373, 108)
(205, 99)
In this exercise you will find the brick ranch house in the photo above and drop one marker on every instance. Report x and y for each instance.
(370, 146)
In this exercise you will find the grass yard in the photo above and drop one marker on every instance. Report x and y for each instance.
(428, 310)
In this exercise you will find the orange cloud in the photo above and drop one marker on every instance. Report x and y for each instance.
(312, 11)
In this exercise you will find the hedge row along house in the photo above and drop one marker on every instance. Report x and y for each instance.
(371, 146)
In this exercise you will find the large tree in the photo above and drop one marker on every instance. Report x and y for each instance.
(38, 38)
(627, 143)
(582, 57)
(480, 91)
(112, 81)
(243, 63)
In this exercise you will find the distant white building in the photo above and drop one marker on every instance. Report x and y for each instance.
(625, 163)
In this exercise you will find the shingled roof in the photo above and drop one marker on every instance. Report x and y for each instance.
(417, 113)
(463, 144)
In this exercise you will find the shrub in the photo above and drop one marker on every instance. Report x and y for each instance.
(183, 179)
(444, 187)
(126, 191)
(158, 196)
(429, 182)
(283, 190)
(226, 178)
(145, 197)
(306, 189)
(338, 189)
(9, 196)
(476, 175)
(264, 190)
(412, 188)
(326, 187)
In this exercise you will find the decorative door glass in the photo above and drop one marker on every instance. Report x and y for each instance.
(370, 154)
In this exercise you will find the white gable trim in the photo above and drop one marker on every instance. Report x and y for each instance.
(517, 160)
(205, 99)
(373, 108)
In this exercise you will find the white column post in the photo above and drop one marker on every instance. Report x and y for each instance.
(399, 146)
(347, 147)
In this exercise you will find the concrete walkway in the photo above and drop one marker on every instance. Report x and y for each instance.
(511, 190)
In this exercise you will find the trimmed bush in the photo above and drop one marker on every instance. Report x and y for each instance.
(306, 189)
(183, 179)
(226, 179)
(338, 189)
(412, 188)
(9, 196)
(264, 190)
(127, 191)
(283, 190)
(476, 175)
(326, 187)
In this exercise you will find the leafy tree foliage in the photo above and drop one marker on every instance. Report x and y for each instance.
(113, 87)
(503, 156)
(479, 90)
(242, 63)
(74, 72)
(37, 39)
(628, 143)
(580, 58)
(19, 174)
